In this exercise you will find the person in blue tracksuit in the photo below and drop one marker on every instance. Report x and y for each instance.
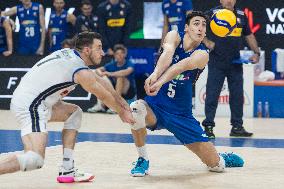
(58, 25)
(168, 104)
(32, 27)
(175, 12)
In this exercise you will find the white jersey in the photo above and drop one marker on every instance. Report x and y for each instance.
(49, 80)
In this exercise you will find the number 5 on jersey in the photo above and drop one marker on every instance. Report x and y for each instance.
(171, 91)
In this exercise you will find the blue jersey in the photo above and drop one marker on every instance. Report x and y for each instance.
(29, 34)
(58, 29)
(175, 96)
(3, 41)
(112, 67)
(176, 13)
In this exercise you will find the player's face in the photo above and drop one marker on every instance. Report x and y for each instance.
(87, 10)
(196, 28)
(26, 2)
(228, 4)
(58, 4)
(119, 56)
(96, 52)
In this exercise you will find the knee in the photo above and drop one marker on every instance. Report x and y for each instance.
(139, 113)
(30, 161)
(74, 120)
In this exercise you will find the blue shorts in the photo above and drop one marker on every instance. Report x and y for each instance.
(184, 127)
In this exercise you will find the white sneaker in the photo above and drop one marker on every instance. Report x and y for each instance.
(96, 108)
(73, 175)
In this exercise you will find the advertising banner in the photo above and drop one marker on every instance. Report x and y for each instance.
(223, 101)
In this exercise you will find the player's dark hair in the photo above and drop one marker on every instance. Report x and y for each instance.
(194, 14)
(86, 2)
(85, 39)
(119, 47)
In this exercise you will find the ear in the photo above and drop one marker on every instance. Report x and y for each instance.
(186, 28)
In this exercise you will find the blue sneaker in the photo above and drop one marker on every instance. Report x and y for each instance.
(141, 168)
(232, 160)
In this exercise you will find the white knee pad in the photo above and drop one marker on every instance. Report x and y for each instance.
(139, 113)
(30, 161)
(74, 121)
(220, 167)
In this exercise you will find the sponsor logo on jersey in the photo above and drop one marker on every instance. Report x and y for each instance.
(116, 22)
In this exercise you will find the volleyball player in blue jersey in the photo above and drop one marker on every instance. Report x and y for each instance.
(168, 104)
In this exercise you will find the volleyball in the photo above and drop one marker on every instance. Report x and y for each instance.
(223, 22)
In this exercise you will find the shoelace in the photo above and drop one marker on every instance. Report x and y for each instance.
(138, 163)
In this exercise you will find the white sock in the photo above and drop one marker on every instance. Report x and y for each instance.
(142, 152)
(68, 161)
(99, 102)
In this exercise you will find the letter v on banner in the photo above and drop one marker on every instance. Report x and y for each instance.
(249, 14)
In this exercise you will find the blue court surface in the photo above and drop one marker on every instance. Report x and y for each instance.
(10, 140)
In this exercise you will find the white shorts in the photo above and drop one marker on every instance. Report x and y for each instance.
(34, 120)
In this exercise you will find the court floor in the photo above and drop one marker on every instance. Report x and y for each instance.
(105, 148)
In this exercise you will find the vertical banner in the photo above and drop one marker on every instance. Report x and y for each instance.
(223, 101)
(153, 20)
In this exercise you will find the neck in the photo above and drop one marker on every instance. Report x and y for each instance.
(173, 1)
(58, 12)
(27, 5)
(229, 8)
(189, 44)
(121, 63)
(113, 1)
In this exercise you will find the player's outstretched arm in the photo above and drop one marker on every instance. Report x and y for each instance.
(88, 80)
(197, 60)
(171, 41)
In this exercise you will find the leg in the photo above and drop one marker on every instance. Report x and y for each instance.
(214, 85)
(71, 115)
(208, 155)
(63, 111)
(235, 84)
(33, 157)
(122, 85)
(143, 116)
(214, 161)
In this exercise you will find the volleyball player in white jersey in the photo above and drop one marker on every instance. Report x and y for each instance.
(37, 100)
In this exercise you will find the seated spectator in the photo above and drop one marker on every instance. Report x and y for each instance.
(6, 41)
(32, 27)
(120, 72)
(86, 21)
(57, 27)
(67, 43)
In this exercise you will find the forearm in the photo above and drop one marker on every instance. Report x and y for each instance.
(175, 70)
(43, 33)
(107, 85)
(163, 63)
(10, 43)
(252, 43)
(121, 73)
(102, 93)
(9, 37)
